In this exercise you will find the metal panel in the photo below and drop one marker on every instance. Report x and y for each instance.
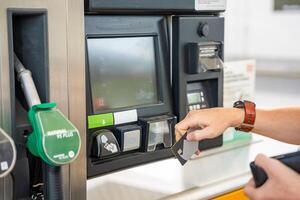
(66, 76)
(155, 6)
(76, 86)
(58, 72)
(2, 194)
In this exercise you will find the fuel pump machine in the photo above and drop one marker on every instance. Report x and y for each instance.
(122, 72)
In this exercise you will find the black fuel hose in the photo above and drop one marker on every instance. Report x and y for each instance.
(52, 182)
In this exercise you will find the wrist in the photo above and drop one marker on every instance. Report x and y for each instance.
(237, 117)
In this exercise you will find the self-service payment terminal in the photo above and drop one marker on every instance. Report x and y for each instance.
(133, 49)
(129, 110)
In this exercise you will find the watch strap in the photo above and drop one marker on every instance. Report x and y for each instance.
(250, 115)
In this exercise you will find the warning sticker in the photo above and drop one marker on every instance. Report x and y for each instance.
(4, 165)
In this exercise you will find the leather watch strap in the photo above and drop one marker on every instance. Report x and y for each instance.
(250, 115)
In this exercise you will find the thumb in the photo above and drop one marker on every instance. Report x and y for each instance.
(250, 189)
(201, 134)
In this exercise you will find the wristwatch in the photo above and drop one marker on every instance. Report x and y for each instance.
(250, 114)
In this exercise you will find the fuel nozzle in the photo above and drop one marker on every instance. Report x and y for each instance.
(54, 138)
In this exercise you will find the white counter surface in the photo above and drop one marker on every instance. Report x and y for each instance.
(216, 171)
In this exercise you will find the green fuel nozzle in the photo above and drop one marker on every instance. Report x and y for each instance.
(54, 138)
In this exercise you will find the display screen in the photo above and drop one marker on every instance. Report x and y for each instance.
(122, 72)
(194, 98)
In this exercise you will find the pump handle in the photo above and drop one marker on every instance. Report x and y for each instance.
(28, 86)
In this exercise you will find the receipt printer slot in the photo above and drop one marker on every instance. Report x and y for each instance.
(202, 57)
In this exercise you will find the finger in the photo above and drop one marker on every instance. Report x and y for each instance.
(178, 132)
(250, 190)
(197, 152)
(202, 134)
(251, 183)
(191, 120)
(183, 126)
(178, 135)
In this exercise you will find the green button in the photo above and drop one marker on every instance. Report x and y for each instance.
(96, 121)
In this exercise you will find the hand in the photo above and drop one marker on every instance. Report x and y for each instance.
(282, 183)
(212, 122)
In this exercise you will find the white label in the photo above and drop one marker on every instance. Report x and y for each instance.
(4, 165)
(210, 5)
(125, 116)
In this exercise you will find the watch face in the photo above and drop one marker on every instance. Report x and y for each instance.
(238, 104)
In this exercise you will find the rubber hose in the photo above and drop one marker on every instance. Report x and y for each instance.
(53, 183)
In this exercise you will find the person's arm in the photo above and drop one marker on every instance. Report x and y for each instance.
(281, 124)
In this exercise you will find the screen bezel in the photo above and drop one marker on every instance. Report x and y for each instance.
(163, 106)
(157, 66)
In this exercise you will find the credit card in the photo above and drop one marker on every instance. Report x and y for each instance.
(184, 149)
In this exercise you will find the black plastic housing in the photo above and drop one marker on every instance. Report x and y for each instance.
(105, 26)
(27, 37)
(185, 32)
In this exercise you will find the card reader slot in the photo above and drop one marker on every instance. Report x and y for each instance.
(158, 130)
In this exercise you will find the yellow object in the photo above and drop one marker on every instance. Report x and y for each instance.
(236, 195)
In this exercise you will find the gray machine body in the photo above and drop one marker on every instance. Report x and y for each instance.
(48, 38)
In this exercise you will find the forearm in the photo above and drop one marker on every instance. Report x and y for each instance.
(281, 124)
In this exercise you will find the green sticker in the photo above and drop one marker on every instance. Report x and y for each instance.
(96, 121)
